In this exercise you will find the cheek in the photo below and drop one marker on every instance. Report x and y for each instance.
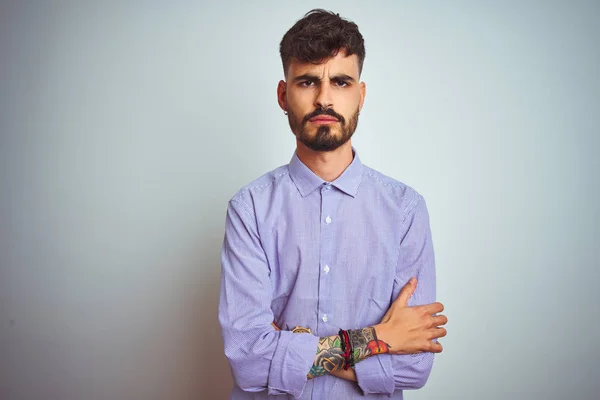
(348, 102)
(300, 99)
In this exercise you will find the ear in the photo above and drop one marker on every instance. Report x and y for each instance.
(281, 95)
(363, 93)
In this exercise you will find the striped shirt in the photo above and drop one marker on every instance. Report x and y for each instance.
(300, 251)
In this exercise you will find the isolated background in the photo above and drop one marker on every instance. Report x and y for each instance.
(125, 127)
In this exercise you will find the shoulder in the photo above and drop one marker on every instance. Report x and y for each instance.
(261, 186)
(399, 192)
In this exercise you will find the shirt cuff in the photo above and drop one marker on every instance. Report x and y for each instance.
(292, 360)
(376, 375)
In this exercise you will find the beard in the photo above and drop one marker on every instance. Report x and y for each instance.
(325, 137)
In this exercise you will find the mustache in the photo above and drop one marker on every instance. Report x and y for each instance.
(323, 111)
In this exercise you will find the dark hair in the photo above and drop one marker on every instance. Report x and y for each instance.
(320, 34)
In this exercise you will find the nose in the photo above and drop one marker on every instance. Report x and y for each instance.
(324, 99)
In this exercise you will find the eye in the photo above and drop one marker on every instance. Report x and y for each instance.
(306, 83)
(341, 83)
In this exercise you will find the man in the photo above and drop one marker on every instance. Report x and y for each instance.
(318, 290)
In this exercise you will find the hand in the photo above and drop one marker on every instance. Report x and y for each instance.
(347, 374)
(298, 329)
(411, 330)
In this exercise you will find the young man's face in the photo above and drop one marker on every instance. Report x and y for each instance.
(323, 100)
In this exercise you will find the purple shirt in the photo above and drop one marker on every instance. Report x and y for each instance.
(302, 251)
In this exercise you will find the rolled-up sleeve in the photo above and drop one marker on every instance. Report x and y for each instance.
(261, 358)
(385, 373)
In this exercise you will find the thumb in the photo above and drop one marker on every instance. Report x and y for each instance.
(407, 291)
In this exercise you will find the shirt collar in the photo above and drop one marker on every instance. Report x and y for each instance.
(306, 181)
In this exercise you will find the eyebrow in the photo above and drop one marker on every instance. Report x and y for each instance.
(311, 77)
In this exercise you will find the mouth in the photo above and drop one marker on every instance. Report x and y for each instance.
(323, 120)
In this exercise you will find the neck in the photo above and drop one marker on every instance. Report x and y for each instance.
(326, 165)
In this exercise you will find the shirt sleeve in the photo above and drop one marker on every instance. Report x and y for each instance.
(260, 357)
(387, 372)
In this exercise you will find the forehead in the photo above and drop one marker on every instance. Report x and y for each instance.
(339, 64)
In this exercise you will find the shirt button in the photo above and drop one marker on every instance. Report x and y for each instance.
(326, 269)
(324, 318)
(328, 220)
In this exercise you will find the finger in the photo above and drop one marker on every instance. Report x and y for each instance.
(437, 333)
(275, 326)
(438, 320)
(435, 347)
(407, 291)
(433, 308)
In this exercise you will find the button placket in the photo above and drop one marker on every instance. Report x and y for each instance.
(327, 246)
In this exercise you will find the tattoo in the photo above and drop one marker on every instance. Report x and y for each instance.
(365, 343)
(329, 357)
(301, 329)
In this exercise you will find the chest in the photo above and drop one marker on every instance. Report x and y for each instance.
(334, 245)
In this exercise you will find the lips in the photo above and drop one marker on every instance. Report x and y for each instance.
(323, 117)
(323, 120)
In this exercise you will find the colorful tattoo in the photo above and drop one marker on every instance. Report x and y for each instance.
(329, 357)
(365, 343)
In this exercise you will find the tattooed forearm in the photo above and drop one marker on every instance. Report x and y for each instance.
(329, 357)
(365, 343)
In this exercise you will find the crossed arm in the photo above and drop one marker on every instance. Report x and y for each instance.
(264, 358)
(411, 329)
(330, 358)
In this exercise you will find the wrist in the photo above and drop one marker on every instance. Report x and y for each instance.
(366, 343)
(383, 334)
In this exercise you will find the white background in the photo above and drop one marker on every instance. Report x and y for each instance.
(125, 127)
